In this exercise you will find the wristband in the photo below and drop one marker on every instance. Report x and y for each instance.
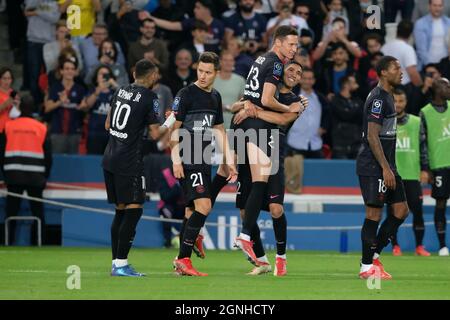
(169, 121)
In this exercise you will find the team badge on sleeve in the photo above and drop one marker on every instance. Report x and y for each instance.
(376, 106)
(156, 106)
(175, 104)
(277, 69)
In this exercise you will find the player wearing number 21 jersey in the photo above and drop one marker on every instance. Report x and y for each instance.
(132, 110)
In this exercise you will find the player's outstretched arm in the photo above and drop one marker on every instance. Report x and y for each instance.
(174, 143)
(373, 131)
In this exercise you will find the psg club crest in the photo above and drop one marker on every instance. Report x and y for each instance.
(200, 189)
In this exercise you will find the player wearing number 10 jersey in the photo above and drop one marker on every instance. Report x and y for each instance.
(132, 110)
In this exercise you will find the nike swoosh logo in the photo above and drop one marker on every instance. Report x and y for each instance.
(273, 197)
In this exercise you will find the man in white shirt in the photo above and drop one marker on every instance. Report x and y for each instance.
(400, 49)
(430, 34)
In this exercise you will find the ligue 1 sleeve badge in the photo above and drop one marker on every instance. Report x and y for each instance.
(376, 106)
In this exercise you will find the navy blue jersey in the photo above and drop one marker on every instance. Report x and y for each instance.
(379, 108)
(99, 112)
(247, 29)
(67, 119)
(199, 111)
(132, 110)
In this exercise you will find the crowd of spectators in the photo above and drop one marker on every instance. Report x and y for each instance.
(72, 72)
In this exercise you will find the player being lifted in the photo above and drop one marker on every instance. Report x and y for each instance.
(261, 85)
(132, 110)
(375, 165)
(198, 109)
(274, 197)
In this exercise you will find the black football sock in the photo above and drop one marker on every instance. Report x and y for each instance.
(394, 241)
(115, 227)
(388, 228)
(280, 229)
(368, 238)
(258, 247)
(193, 227)
(217, 184)
(418, 225)
(440, 224)
(182, 229)
(127, 231)
(253, 206)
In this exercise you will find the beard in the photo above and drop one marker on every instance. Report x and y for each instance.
(246, 9)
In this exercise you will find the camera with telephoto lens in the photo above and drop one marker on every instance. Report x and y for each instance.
(106, 76)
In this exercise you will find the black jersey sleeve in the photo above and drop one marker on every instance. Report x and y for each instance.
(180, 105)
(275, 72)
(376, 109)
(152, 117)
(219, 117)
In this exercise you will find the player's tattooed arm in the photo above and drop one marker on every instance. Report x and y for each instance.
(373, 131)
(237, 106)
(108, 121)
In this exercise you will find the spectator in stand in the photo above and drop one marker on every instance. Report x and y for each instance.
(422, 96)
(165, 98)
(335, 10)
(8, 96)
(107, 56)
(169, 11)
(68, 53)
(444, 64)
(63, 104)
(346, 115)
(147, 42)
(285, 17)
(198, 44)
(42, 16)
(392, 7)
(338, 34)
(98, 105)
(422, 8)
(88, 10)
(183, 75)
(242, 61)
(305, 135)
(372, 44)
(202, 11)
(230, 86)
(430, 34)
(90, 45)
(340, 67)
(400, 49)
(53, 49)
(302, 57)
(306, 40)
(248, 25)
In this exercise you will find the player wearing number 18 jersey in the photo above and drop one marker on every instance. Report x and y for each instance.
(377, 172)
(132, 110)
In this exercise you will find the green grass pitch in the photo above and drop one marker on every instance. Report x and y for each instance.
(40, 273)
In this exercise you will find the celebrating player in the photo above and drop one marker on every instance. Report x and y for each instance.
(274, 198)
(378, 177)
(132, 110)
(198, 109)
(260, 88)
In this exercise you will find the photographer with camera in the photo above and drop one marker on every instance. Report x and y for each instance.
(53, 49)
(107, 56)
(8, 96)
(97, 104)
